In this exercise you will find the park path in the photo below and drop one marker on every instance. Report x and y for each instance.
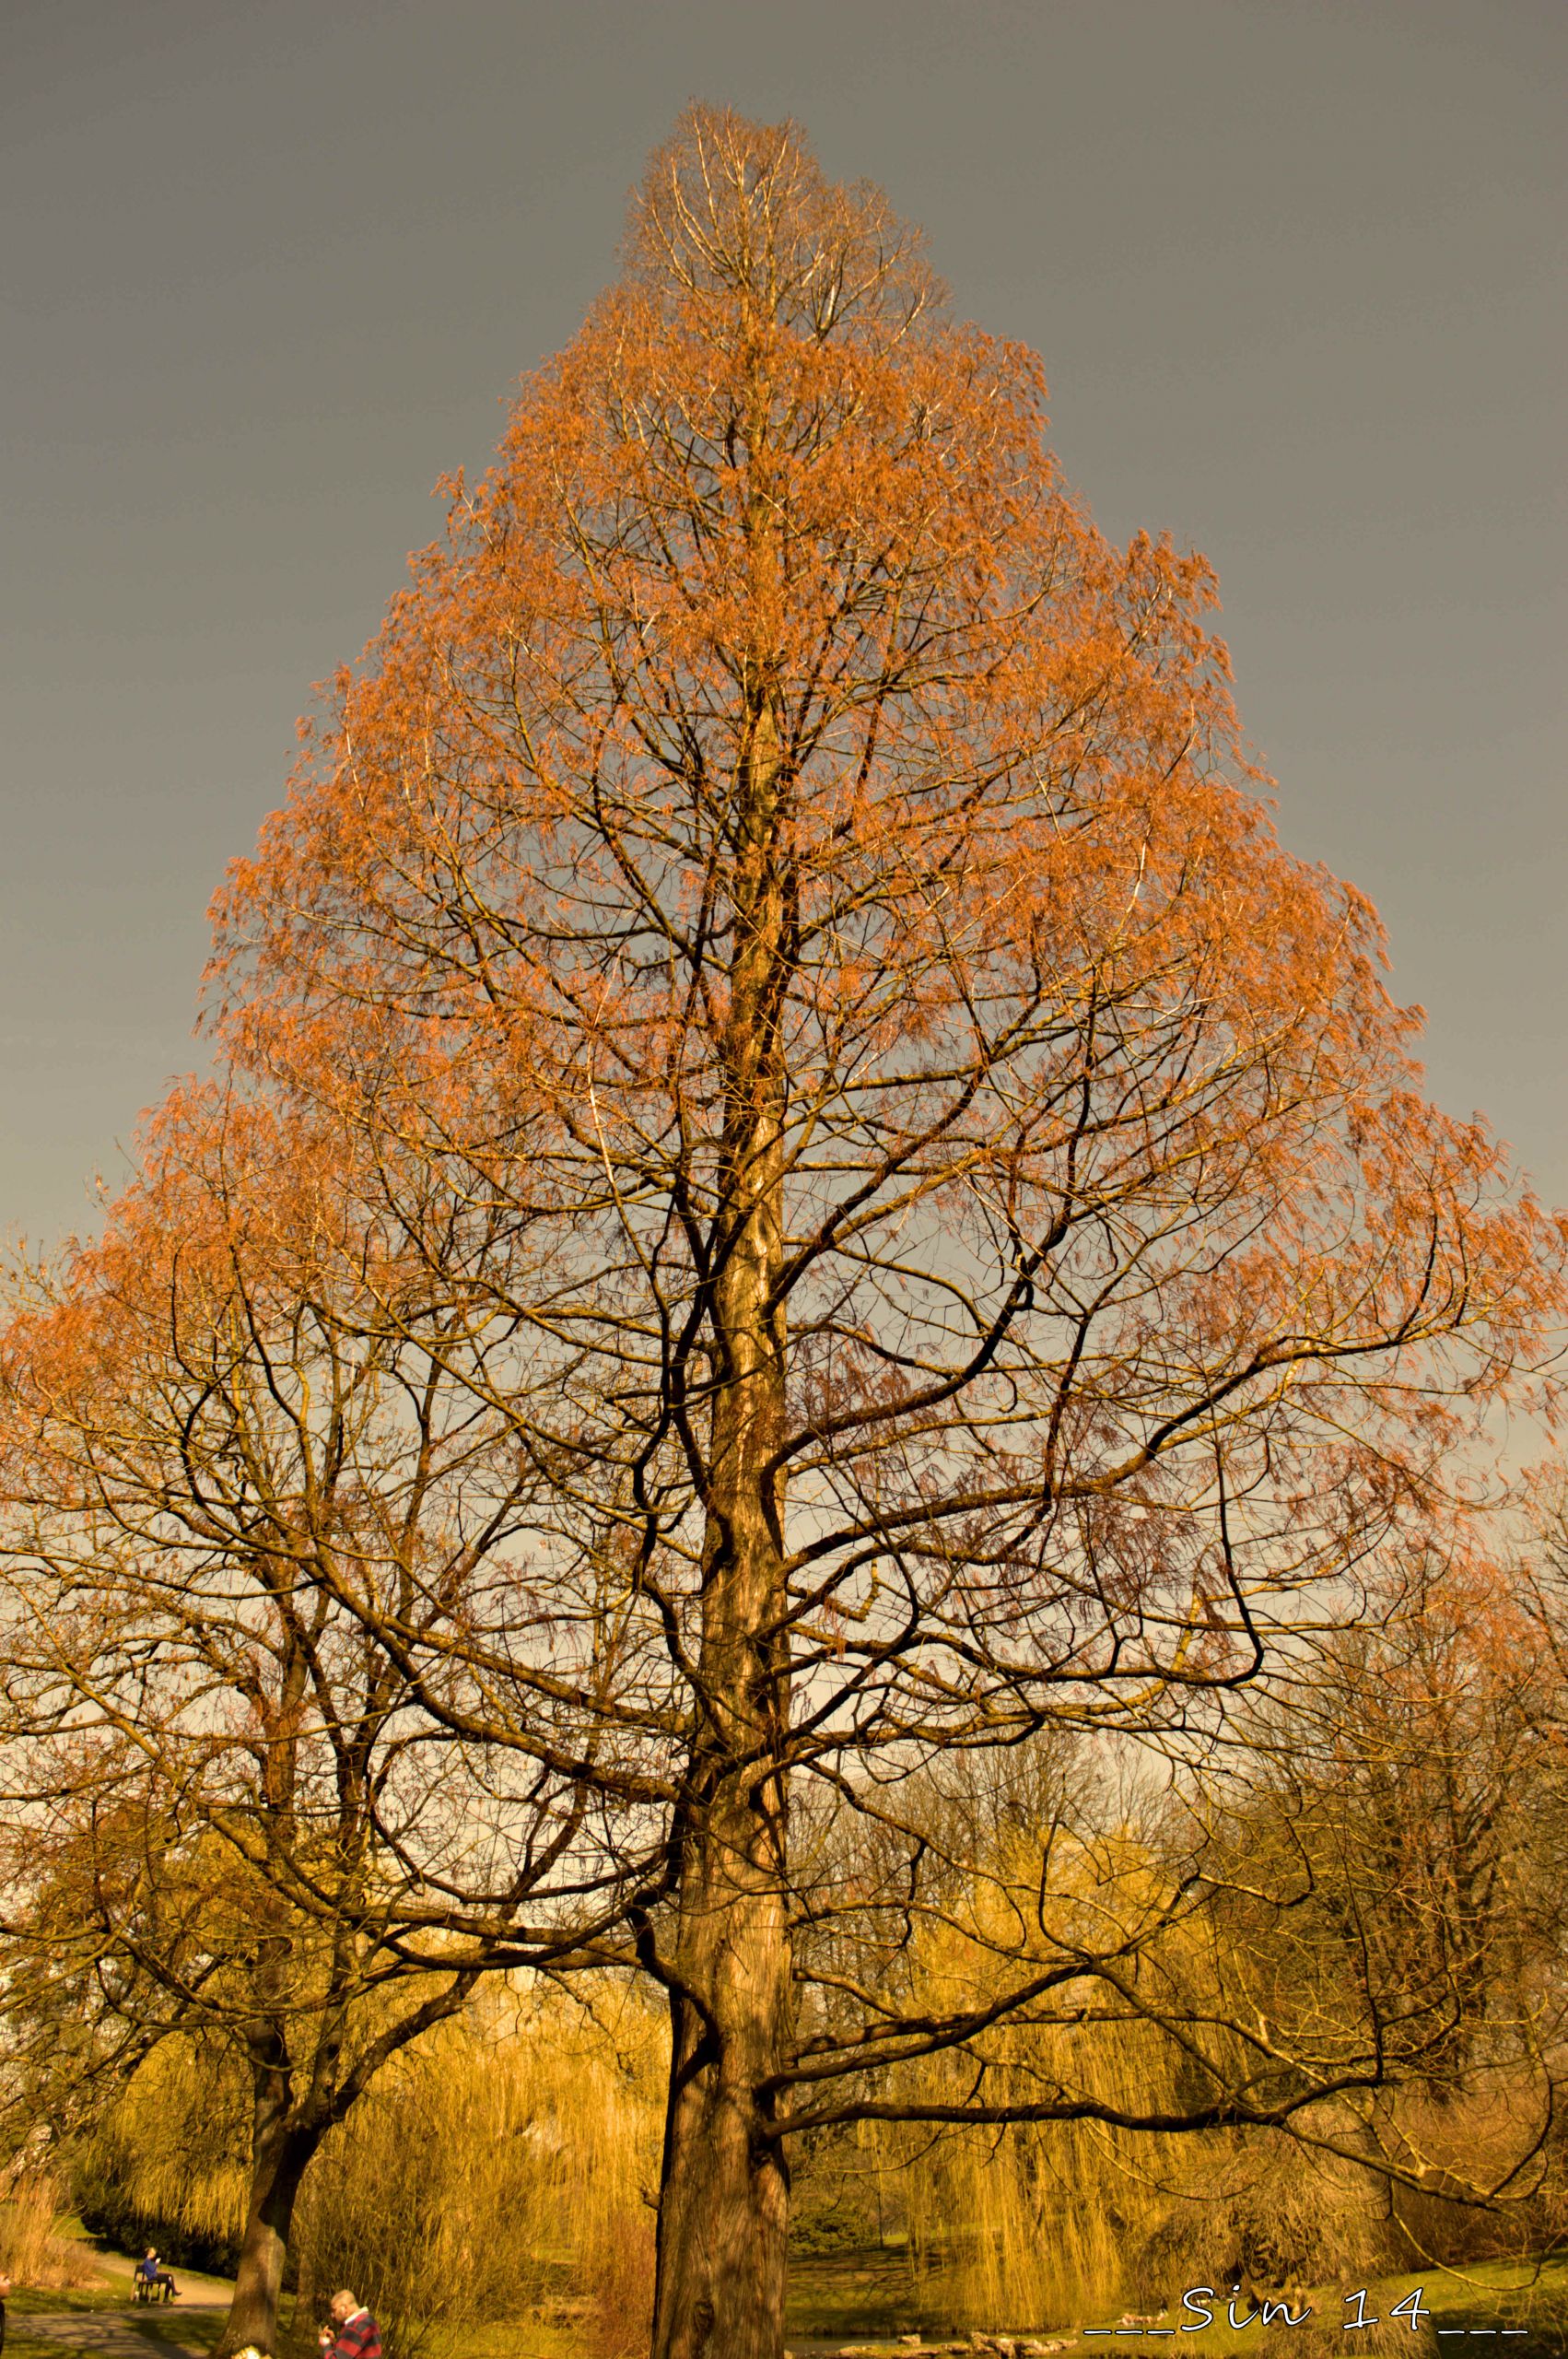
(115, 2337)
(134, 2333)
(196, 2292)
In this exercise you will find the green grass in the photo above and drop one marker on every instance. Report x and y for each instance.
(1494, 2293)
(1473, 2305)
(868, 2296)
(192, 2333)
(862, 2293)
(27, 2298)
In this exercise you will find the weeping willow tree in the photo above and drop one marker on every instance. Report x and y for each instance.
(168, 2161)
(1374, 1857)
(500, 2170)
(1039, 1857)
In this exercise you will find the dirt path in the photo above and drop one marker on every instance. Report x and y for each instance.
(134, 2332)
(196, 2292)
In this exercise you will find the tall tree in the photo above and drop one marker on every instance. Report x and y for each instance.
(940, 1204)
(227, 1819)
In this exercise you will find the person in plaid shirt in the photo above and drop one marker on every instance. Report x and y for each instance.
(356, 2335)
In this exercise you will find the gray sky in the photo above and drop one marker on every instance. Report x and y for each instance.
(1295, 267)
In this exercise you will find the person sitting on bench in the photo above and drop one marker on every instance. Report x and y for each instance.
(156, 2280)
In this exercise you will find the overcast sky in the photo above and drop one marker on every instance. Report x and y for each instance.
(1295, 267)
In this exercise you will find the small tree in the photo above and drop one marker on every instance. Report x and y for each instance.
(231, 1823)
(936, 1205)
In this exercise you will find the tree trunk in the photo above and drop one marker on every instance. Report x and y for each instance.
(279, 2154)
(723, 2216)
(723, 2220)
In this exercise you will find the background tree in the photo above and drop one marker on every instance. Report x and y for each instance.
(935, 1207)
(229, 1822)
(493, 2174)
(1386, 1854)
(1369, 1896)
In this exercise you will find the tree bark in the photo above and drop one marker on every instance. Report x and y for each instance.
(723, 2216)
(279, 2155)
(723, 2221)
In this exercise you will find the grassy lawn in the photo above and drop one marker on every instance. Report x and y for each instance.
(857, 2293)
(1460, 2309)
(196, 2331)
(871, 2296)
(1491, 2295)
(91, 2297)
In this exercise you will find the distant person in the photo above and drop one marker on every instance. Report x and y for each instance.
(354, 2333)
(4, 2289)
(156, 2278)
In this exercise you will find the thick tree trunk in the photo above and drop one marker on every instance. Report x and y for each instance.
(279, 2155)
(723, 2216)
(723, 2220)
